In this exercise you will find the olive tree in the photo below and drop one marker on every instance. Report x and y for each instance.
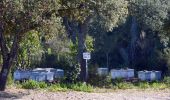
(18, 17)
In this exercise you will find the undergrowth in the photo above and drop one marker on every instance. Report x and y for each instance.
(84, 87)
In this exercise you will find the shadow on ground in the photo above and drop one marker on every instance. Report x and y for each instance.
(6, 95)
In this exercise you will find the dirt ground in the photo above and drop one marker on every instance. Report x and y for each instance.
(20, 94)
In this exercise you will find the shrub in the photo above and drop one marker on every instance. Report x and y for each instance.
(166, 80)
(100, 81)
(42, 85)
(117, 80)
(18, 84)
(56, 87)
(123, 85)
(30, 84)
(72, 73)
(143, 85)
(158, 85)
(10, 80)
(76, 87)
(81, 87)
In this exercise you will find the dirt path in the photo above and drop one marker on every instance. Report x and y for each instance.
(15, 94)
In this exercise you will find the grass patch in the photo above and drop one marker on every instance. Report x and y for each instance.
(141, 85)
(81, 87)
(76, 87)
(84, 87)
(30, 84)
(123, 85)
(57, 87)
(157, 85)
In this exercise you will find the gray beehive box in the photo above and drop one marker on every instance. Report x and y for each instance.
(115, 73)
(17, 75)
(122, 73)
(149, 75)
(49, 76)
(59, 73)
(141, 75)
(21, 75)
(38, 76)
(102, 71)
(131, 73)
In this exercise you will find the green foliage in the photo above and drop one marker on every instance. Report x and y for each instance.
(42, 85)
(108, 83)
(30, 84)
(76, 87)
(117, 80)
(30, 51)
(166, 80)
(57, 87)
(89, 43)
(73, 49)
(143, 85)
(100, 81)
(72, 73)
(150, 14)
(159, 85)
(123, 85)
(10, 80)
(81, 87)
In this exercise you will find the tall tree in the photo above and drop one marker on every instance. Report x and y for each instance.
(81, 14)
(150, 15)
(18, 17)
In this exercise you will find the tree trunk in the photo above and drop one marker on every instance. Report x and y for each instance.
(134, 36)
(7, 64)
(8, 57)
(71, 27)
(83, 30)
(107, 58)
(81, 49)
(4, 74)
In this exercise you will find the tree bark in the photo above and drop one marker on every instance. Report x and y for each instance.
(7, 63)
(81, 49)
(83, 30)
(134, 37)
(71, 27)
(8, 57)
(4, 50)
(4, 74)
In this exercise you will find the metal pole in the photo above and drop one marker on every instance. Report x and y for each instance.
(86, 70)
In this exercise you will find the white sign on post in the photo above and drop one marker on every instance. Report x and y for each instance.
(86, 55)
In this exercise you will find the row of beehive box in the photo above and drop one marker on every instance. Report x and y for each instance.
(149, 75)
(39, 74)
(129, 73)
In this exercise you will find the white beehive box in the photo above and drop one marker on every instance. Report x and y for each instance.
(102, 71)
(115, 74)
(122, 73)
(59, 73)
(17, 75)
(49, 76)
(131, 73)
(38, 76)
(141, 75)
(21, 75)
(153, 76)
